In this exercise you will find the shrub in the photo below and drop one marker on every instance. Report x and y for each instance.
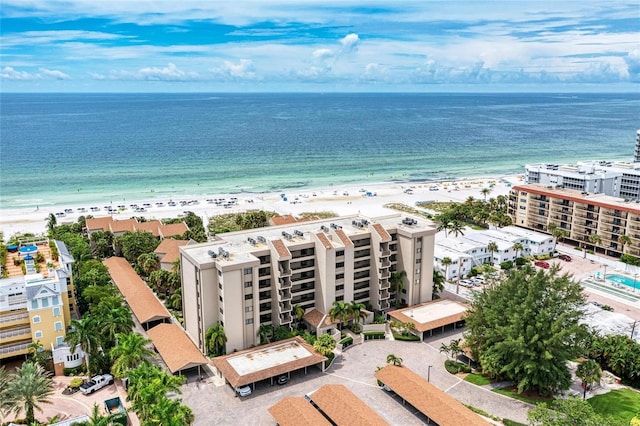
(451, 366)
(75, 382)
(374, 335)
(607, 308)
(379, 319)
(406, 337)
(506, 265)
(76, 371)
(346, 341)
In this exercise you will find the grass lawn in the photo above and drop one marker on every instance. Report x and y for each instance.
(528, 397)
(477, 379)
(621, 403)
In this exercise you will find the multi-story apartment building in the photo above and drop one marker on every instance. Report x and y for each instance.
(38, 306)
(617, 179)
(581, 215)
(249, 278)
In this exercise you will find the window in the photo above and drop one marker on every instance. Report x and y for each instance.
(55, 300)
(340, 265)
(339, 276)
(58, 325)
(248, 308)
(248, 296)
(339, 253)
(36, 319)
(248, 271)
(221, 311)
(418, 261)
(220, 297)
(73, 357)
(45, 302)
(249, 321)
(219, 273)
(419, 250)
(419, 239)
(220, 286)
(418, 271)
(38, 334)
(417, 281)
(60, 341)
(339, 298)
(34, 304)
(56, 311)
(248, 284)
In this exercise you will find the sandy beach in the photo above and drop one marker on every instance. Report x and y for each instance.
(341, 200)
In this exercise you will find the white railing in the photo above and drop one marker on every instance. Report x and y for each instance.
(14, 317)
(12, 333)
(14, 348)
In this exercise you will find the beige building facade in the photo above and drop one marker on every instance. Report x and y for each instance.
(249, 278)
(581, 215)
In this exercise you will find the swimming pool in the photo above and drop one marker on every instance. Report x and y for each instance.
(621, 279)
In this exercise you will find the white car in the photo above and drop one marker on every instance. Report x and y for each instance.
(244, 391)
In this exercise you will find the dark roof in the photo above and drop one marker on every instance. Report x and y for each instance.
(431, 401)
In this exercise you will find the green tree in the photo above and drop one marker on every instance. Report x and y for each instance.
(41, 356)
(324, 344)
(265, 332)
(446, 262)
(485, 192)
(148, 262)
(492, 247)
(27, 388)
(133, 244)
(170, 412)
(569, 412)
(101, 243)
(589, 372)
(397, 285)
(456, 228)
(97, 419)
(595, 240)
(132, 349)
(358, 311)
(84, 333)
(438, 284)
(216, 340)
(624, 240)
(527, 327)
(339, 310)
(52, 221)
(112, 320)
(518, 247)
(148, 384)
(394, 359)
(298, 314)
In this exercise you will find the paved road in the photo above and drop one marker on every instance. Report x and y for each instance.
(218, 406)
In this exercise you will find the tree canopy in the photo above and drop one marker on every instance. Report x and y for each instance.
(526, 328)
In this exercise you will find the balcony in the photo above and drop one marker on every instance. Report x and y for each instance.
(284, 294)
(384, 284)
(13, 349)
(384, 273)
(284, 282)
(385, 253)
(285, 318)
(285, 306)
(385, 264)
(13, 319)
(383, 304)
(15, 334)
(384, 294)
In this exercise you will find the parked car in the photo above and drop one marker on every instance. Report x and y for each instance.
(542, 264)
(283, 379)
(244, 391)
(96, 383)
(565, 257)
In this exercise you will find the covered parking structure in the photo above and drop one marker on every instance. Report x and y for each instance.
(297, 411)
(437, 406)
(268, 361)
(343, 407)
(433, 315)
(176, 349)
(144, 304)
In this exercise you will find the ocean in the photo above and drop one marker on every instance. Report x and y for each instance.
(76, 149)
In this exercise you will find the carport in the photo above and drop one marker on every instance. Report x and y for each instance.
(297, 411)
(176, 349)
(144, 304)
(343, 407)
(268, 361)
(433, 315)
(436, 405)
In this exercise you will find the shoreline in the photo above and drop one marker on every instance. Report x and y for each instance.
(344, 199)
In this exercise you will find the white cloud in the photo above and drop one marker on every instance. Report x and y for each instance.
(322, 53)
(11, 74)
(632, 60)
(350, 43)
(242, 70)
(58, 75)
(169, 73)
(97, 76)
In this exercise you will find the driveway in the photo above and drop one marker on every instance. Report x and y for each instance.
(355, 369)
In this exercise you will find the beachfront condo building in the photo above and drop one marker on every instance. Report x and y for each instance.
(37, 302)
(471, 249)
(249, 278)
(617, 179)
(581, 215)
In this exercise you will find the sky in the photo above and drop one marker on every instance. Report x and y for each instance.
(319, 46)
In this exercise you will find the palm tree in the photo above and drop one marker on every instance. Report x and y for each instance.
(51, 222)
(485, 192)
(394, 359)
(595, 240)
(492, 247)
(624, 240)
(265, 332)
(130, 351)
(559, 234)
(340, 310)
(589, 372)
(456, 228)
(97, 419)
(216, 340)
(397, 284)
(298, 314)
(113, 321)
(438, 284)
(445, 348)
(446, 262)
(518, 247)
(83, 332)
(170, 412)
(28, 387)
(454, 348)
(358, 310)
(148, 263)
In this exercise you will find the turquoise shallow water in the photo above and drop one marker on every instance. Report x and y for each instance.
(70, 149)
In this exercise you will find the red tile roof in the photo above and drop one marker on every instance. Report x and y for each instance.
(431, 401)
(173, 229)
(344, 238)
(345, 408)
(143, 303)
(149, 226)
(297, 411)
(169, 249)
(324, 240)
(123, 225)
(99, 223)
(281, 249)
(382, 232)
(176, 348)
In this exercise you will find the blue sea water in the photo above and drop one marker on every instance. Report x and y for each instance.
(70, 149)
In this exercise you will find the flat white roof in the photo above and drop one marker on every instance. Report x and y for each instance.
(268, 358)
(435, 311)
